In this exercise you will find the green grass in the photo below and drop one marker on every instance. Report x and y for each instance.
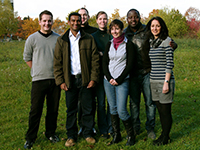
(15, 85)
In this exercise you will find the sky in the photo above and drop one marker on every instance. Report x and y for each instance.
(61, 8)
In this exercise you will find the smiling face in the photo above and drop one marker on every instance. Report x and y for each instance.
(75, 24)
(84, 17)
(102, 21)
(155, 28)
(46, 23)
(116, 31)
(133, 19)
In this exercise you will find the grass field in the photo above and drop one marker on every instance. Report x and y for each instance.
(15, 85)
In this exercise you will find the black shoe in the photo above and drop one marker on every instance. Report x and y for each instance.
(53, 139)
(162, 140)
(28, 144)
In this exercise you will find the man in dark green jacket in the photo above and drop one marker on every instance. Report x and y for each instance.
(76, 70)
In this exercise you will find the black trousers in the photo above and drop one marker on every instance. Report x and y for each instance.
(40, 90)
(82, 93)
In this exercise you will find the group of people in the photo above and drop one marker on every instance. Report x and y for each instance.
(89, 63)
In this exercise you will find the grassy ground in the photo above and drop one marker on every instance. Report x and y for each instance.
(15, 85)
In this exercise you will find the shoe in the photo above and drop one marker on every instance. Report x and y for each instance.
(151, 135)
(54, 139)
(130, 132)
(94, 131)
(105, 136)
(28, 144)
(162, 140)
(90, 140)
(70, 142)
(116, 130)
(80, 131)
(136, 131)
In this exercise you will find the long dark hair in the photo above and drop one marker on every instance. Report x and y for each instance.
(164, 31)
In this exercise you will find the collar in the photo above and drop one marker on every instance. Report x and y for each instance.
(125, 40)
(77, 36)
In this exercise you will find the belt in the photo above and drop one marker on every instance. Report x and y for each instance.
(77, 76)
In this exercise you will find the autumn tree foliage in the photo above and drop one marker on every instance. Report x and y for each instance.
(116, 15)
(8, 19)
(193, 21)
(59, 26)
(30, 26)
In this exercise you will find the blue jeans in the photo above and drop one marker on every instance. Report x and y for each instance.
(117, 98)
(139, 84)
(103, 116)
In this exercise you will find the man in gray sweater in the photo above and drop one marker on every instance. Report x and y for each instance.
(39, 54)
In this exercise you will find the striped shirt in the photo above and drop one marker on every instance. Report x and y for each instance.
(161, 60)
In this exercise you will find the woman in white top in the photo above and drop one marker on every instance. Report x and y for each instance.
(118, 61)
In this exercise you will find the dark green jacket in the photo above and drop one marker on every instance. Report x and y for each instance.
(89, 58)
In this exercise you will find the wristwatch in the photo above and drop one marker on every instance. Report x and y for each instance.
(167, 81)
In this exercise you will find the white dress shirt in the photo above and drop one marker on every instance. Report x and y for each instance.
(75, 56)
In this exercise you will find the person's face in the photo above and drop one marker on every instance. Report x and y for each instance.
(116, 31)
(102, 21)
(46, 23)
(133, 19)
(74, 23)
(84, 16)
(155, 28)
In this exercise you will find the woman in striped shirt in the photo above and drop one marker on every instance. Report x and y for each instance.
(161, 76)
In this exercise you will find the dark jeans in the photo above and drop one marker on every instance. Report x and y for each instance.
(40, 90)
(139, 84)
(82, 93)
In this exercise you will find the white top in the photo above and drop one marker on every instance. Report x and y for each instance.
(75, 55)
(117, 58)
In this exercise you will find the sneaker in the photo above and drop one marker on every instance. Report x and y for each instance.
(80, 131)
(151, 135)
(28, 144)
(90, 140)
(53, 139)
(70, 142)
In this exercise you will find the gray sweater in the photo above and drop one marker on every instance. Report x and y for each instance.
(161, 60)
(40, 50)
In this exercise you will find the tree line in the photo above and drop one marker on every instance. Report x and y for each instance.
(12, 25)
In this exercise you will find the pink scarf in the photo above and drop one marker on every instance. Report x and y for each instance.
(117, 41)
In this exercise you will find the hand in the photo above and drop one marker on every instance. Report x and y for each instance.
(63, 86)
(165, 88)
(91, 84)
(172, 44)
(113, 82)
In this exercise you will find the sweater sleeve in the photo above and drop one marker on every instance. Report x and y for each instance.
(130, 49)
(105, 62)
(28, 50)
(169, 56)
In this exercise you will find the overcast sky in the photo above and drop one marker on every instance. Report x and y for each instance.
(61, 8)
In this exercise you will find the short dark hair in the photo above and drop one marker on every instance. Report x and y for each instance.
(101, 13)
(133, 10)
(74, 14)
(45, 12)
(85, 10)
(117, 22)
(164, 31)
